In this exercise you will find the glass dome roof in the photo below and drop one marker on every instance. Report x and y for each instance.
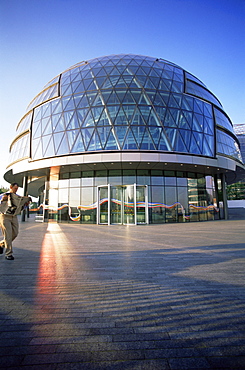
(122, 102)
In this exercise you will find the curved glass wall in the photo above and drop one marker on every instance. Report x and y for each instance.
(123, 103)
(49, 93)
(20, 149)
(190, 77)
(25, 123)
(227, 145)
(52, 82)
(195, 89)
(222, 120)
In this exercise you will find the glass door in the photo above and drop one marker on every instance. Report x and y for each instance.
(141, 204)
(116, 205)
(128, 205)
(103, 217)
(123, 205)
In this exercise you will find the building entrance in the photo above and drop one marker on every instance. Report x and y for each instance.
(123, 205)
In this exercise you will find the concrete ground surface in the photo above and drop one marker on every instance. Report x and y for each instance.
(152, 297)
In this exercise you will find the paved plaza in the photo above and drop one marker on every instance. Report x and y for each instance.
(93, 297)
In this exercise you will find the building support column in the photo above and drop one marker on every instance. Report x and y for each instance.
(225, 203)
(216, 199)
(52, 194)
(25, 192)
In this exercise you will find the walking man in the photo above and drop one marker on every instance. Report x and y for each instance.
(10, 207)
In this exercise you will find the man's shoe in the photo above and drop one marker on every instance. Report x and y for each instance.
(2, 245)
(9, 257)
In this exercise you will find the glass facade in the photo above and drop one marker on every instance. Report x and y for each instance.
(125, 104)
(170, 196)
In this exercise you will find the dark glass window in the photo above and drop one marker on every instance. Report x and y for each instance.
(227, 145)
(195, 89)
(222, 120)
(100, 177)
(157, 177)
(21, 148)
(158, 200)
(87, 178)
(143, 177)
(25, 123)
(129, 177)
(115, 177)
(75, 179)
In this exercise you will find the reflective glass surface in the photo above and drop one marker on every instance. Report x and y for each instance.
(20, 149)
(123, 102)
(24, 123)
(190, 77)
(197, 90)
(222, 120)
(49, 93)
(188, 197)
(227, 145)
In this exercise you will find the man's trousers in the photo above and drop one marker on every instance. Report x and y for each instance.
(10, 229)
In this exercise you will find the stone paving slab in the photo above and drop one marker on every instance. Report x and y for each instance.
(150, 297)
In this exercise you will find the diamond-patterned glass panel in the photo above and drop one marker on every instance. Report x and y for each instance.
(125, 102)
(112, 143)
(77, 145)
(130, 142)
(37, 148)
(48, 146)
(95, 143)
(71, 136)
(63, 147)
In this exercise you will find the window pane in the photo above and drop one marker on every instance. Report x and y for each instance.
(157, 177)
(63, 183)
(183, 206)
(75, 182)
(100, 178)
(181, 181)
(157, 205)
(63, 195)
(170, 181)
(129, 177)
(88, 213)
(143, 177)
(74, 197)
(171, 199)
(115, 177)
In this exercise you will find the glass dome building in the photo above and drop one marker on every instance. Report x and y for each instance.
(126, 139)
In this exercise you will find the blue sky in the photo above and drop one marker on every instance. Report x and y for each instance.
(40, 39)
